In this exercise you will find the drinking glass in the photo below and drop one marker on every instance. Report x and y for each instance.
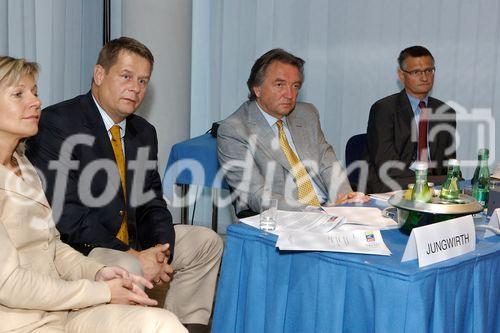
(268, 213)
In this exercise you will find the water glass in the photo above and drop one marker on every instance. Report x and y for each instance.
(268, 214)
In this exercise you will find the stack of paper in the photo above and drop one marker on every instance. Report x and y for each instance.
(382, 196)
(356, 241)
(369, 216)
(299, 221)
(314, 231)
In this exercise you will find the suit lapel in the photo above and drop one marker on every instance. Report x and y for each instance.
(130, 153)
(265, 135)
(408, 123)
(407, 112)
(302, 144)
(432, 105)
(28, 186)
(300, 141)
(102, 145)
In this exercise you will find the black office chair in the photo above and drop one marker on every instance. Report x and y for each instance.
(356, 149)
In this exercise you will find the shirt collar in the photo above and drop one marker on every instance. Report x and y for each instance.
(108, 122)
(270, 119)
(414, 102)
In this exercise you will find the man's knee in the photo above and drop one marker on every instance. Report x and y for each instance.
(160, 320)
(210, 241)
(118, 318)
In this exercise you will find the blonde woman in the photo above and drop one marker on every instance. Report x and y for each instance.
(45, 285)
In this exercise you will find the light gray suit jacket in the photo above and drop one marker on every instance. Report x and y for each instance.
(41, 278)
(254, 164)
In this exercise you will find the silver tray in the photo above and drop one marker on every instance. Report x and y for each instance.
(463, 206)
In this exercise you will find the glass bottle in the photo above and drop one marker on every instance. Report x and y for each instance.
(420, 193)
(451, 189)
(480, 153)
(480, 189)
(409, 191)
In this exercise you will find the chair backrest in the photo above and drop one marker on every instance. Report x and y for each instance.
(355, 150)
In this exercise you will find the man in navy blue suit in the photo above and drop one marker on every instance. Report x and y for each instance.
(99, 163)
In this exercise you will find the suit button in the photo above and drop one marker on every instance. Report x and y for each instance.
(121, 213)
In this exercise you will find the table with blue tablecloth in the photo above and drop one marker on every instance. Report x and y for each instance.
(262, 289)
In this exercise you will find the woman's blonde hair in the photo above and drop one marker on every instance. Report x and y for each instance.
(12, 69)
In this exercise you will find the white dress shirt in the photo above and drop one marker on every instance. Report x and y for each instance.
(108, 123)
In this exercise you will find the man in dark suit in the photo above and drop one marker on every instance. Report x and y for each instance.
(99, 163)
(409, 126)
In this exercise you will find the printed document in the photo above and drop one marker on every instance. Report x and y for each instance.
(370, 216)
(298, 221)
(355, 241)
(316, 231)
(382, 196)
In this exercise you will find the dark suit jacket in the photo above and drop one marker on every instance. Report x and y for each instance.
(390, 138)
(84, 223)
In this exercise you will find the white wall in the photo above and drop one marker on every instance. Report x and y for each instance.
(165, 27)
(64, 37)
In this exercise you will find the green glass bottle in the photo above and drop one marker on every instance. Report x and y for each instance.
(451, 189)
(481, 152)
(480, 189)
(420, 193)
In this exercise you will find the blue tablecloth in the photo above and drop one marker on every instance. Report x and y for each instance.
(193, 162)
(262, 289)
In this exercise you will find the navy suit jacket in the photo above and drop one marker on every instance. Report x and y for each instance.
(85, 223)
(390, 139)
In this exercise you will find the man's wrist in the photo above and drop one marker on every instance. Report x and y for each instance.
(132, 251)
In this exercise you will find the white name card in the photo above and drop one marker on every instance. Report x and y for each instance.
(441, 241)
(494, 223)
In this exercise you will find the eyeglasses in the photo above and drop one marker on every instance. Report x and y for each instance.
(419, 72)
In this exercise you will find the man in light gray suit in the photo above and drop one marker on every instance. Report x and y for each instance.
(273, 147)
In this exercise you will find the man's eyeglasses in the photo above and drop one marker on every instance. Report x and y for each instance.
(419, 72)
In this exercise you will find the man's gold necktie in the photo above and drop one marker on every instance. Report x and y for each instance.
(116, 142)
(305, 188)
